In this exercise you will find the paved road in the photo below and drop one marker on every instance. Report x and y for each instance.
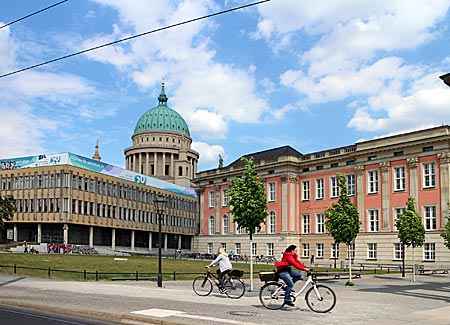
(374, 300)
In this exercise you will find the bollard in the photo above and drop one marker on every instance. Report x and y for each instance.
(48, 272)
(137, 276)
(174, 276)
(84, 275)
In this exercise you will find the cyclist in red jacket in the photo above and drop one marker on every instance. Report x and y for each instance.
(287, 274)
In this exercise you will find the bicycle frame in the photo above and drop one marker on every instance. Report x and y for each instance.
(309, 281)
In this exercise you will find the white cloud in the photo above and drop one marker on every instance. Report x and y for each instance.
(209, 154)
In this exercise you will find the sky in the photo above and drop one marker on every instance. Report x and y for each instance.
(315, 75)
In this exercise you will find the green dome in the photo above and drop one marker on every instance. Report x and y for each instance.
(162, 118)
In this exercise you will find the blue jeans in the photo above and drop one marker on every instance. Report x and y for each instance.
(289, 277)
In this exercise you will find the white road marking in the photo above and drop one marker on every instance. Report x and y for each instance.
(217, 320)
(156, 312)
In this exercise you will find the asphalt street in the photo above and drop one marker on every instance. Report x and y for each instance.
(374, 300)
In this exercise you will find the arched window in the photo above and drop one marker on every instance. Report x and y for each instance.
(180, 171)
(225, 225)
(211, 225)
(271, 225)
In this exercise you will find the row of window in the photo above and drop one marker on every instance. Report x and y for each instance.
(80, 207)
(91, 185)
(399, 184)
(270, 225)
(429, 250)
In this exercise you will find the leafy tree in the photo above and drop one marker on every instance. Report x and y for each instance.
(411, 231)
(7, 209)
(445, 232)
(248, 204)
(342, 219)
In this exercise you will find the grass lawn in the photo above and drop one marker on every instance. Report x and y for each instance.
(73, 266)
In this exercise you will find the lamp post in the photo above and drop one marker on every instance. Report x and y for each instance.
(160, 205)
(446, 79)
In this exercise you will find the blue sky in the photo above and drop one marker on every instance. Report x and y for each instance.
(315, 75)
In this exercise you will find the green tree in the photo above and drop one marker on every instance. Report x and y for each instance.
(445, 232)
(7, 209)
(411, 231)
(248, 204)
(342, 219)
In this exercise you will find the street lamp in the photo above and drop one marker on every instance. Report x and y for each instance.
(446, 79)
(160, 205)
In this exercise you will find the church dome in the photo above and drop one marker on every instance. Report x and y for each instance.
(162, 118)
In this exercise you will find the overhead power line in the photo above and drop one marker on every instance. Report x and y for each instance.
(34, 13)
(132, 37)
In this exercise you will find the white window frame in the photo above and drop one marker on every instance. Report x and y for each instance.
(319, 250)
(397, 252)
(225, 224)
(211, 225)
(373, 220)
(334, 187)
(210, 248)
(270, 249)
(399, 179)
(305, 250)
(372, 181)
(372, 251)
(429, 175)
(306, 224)
(429, 252)
(272, 223)
(320, 223)
(224, 246)
(351, 185)
(225, 197)
(306, 190)
(237, 248)
(430, 217)
(320, 189)
(351, 251)
(397, 212)
(271, 191)
(254, 248)
(211, 199)
(334, 251)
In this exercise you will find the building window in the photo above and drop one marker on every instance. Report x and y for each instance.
(429, 251)
(238, 230)
(306, 191)
(211, 200)
(397, 213)
(211, 225)
(270, 249)
(373, 221)
(334, 250)
(320, 189)
(400, 178)
(398, 252)
(319, 250)
(372, 251)
(225, 225)
(254, 250)
(237, 247)
(210, 248)
(430, 218)
(271, 192)
(429, 177)
(305, 250)
(351, 185)
(225, 197)
(320, 223)
(334, 187)
(351, 251)
(272, 223)
(306, 225)
(372, 181)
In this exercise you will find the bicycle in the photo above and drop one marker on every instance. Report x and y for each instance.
(319, 298)
(234, 286)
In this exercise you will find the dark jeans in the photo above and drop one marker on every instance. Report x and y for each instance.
(289, 277)
(220, 276)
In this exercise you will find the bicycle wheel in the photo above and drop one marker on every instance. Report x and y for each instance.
(202, 285)
(235, 288)
(271, 295)
(323, 302)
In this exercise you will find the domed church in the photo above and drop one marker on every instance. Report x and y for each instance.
(162, 146)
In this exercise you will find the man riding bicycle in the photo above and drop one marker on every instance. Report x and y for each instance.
(287, 274)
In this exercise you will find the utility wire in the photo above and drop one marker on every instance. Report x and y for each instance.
(34, 13)
(131, 37)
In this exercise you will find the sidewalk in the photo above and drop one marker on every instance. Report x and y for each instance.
(374, 300)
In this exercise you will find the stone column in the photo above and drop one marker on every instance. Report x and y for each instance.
(132, 240)
(39, 232)
(113, 239)
(413, 162)
(66, 234)
(150, 238)
(91, 236)
(385, 195)
(15, 233)
(165, 241)
(444, 160)
(155, 163)
(284, 203)
(163, 170)
(360, 195)
(147, 163)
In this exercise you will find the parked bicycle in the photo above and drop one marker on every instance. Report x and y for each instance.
(234, 286)
(319, 298)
